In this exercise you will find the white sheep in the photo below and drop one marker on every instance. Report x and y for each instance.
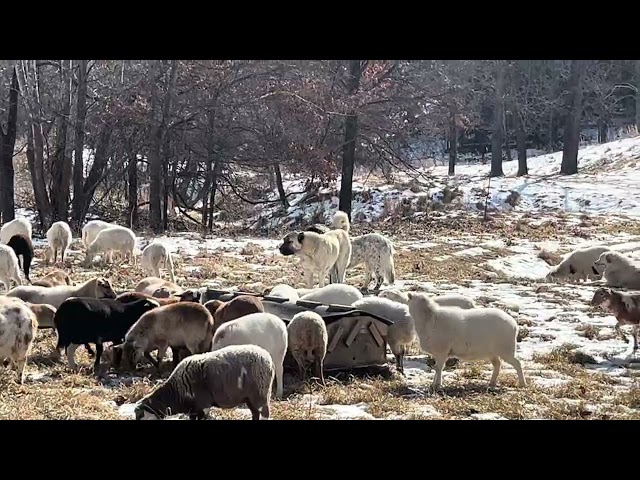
(284, 291)
(92, 228)
(578, 265)
(451, 300)
(399, 335)
(308, 340)
(334, 294)
(9, 267)
(618, 270)
(224, 378)
(120, 239)
(96, 288)
(471, 335)
(59, 237)
(153, 255)
(263, 329)
(16, 226)
(18, 327)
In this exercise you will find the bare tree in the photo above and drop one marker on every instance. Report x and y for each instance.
(572, 125)
(497, 136)
(78, 162)
(7, 146)
(61, 162)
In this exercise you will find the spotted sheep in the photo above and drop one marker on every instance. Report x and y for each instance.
(18, 327)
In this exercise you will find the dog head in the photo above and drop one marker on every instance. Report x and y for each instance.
(292, 243)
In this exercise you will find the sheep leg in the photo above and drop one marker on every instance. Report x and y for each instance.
(20, 364)
(279, 372)
(71, 356)
(515, 363)
(90, 351)
(162, 350)
(367, 278)
(495, 361)
(399, 362)
(99, 350)
(303, 371)
(153, 361)
(635, 338)
(439, 366)
(198, 415)
(319, 372)
(255, 412)
(264, 414)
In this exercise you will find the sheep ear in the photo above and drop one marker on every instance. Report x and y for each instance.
(411, 295)
(300, 237)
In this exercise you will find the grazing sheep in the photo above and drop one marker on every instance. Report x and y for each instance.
(44, 314)
(624, 306)
(158, 287)
(284, 291)
(18, 327)
(186, 296)
(59, 237)
(91, 320)
(334, 294)
(17, 226)
(235, 308)
(95, 288)
(182, 324)
(225, 378)
(376, 252)
(471, 335)
(399, 335)
(23, 246)
(212, 306)
(618, 270)
(578, 265)
(92, 228)
(307, 338)
(9, 267)
(153, 255)
(263, 329)
(54, 278)
(452, 300)
(115, 238)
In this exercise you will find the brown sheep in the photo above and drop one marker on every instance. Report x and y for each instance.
(157, 287)
(44, 314)
(54, 278)
(235, 308)
(624, 306)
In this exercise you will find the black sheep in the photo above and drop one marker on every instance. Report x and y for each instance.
(96, 320)
(22, 245)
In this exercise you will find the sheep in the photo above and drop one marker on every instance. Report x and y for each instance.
(399, 335)
(285, 291)
(17, 226)
(474, 334)
(307, 338)
(225, 378)
(263, 329)
(186, 296)
(158, 287)
(334, 294)
(624, 306)
(18, 328)
(98, 287)
(452, 300)
(578, 265)
(618, 270)
(44, 314)
(115, 238)
(92, 228)
(23, 246)
(9, 267)
(90, 320)
(153, 255)
(59, 237)
(376, 252)
(182, 324)
(235, 308)
(53, 278)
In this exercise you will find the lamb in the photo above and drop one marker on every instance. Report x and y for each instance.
(237, 307)
(376, 252)
(399, 335)
(284, 291)
(158, 287)
(90, 320)
(59, 237)
(115, 238)
(92, 228)
(474, 334)
(182, 324)
(44, 314)
(153, 255)
(307, 338)
(98, 287)
(22, 246)
(263, 329)
(18, 327)
(334, 294)
(225, 378)
(452, 300)
(624, 306)
(578, 265)
(9, 267)
(618, 270)
(54, 278)
(17, 226)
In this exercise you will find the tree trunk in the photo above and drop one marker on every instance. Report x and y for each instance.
(453, 143)
(214, 188)
(497, 137)
(603, 129)
(281, 192)
(350, 135)
(132, 171)
(521, 141)
(638, 96)
(572, 126)
(155, 163)
(78, 162)
(61, 164)
(7, 176)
